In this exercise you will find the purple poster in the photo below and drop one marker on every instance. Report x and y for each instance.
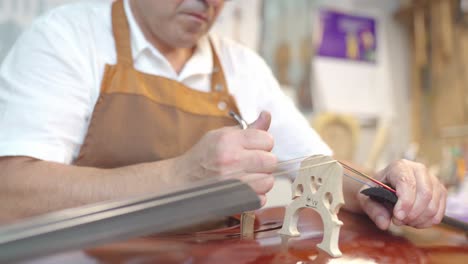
(347, 36)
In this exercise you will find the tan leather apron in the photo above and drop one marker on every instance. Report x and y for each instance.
(142, 118)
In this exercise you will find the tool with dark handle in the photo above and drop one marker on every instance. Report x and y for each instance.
(385, 196)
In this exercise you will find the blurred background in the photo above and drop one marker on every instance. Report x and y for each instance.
(379, 79)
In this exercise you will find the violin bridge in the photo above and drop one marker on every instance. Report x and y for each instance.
(247, 223)
(319, 186)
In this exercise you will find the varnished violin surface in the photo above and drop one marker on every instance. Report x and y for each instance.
(360, 241)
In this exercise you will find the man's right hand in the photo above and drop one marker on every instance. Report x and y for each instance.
(225, 152)
(31, 187)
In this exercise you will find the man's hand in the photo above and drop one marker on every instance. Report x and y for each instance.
(421, 197)
(229, 150)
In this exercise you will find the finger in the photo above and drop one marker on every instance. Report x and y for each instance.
(263, 199)
(424, 205)
(397, 222)
(401, 176)
(263, 121)
(258, 161)
(257, 139)
(376, 212)
(259, 182)
(426, 217)
(443, 202)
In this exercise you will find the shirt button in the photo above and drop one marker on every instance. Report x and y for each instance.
(218, 87)
(222, 105)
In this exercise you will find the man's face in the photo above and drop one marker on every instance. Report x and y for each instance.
(178, 23)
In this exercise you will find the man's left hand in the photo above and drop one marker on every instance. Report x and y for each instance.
(421, 197)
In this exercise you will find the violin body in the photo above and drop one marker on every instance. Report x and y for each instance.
(360, 241)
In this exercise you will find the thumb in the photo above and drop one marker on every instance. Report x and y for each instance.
(376, 211)
(263, 121)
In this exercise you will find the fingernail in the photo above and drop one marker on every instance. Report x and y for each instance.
(400, 215)
(381, 221)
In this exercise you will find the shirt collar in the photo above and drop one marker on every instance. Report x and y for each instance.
(201, 61)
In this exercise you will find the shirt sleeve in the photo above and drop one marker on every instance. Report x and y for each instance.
(44, 92)
(294, 137)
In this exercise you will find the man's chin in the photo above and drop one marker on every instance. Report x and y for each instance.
(189, 40)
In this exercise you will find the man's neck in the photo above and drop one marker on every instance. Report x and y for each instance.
(176, 56)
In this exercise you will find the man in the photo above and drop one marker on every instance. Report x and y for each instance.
(100, 101)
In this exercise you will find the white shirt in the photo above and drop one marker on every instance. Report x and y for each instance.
(50, 81)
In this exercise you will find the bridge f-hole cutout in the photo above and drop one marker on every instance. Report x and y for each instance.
(328, 199)
(315, 183)
(299, 191)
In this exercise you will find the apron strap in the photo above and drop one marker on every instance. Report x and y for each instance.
(121, 32)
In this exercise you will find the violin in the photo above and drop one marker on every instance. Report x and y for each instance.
(94, 229)
(360, 241)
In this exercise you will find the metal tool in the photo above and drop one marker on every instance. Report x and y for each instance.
(239, 120)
